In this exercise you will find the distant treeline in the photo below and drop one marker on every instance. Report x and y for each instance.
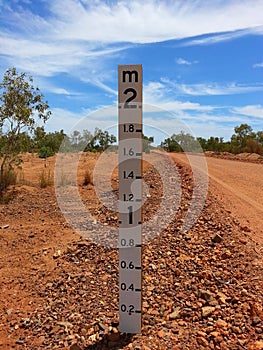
(47, 144)
(244, 139)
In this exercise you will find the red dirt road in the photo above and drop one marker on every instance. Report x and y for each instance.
(239, 186)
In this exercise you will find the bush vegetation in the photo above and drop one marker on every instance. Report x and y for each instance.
(20, 105)
(244, 139)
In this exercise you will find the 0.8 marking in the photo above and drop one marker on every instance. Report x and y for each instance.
(127, 242)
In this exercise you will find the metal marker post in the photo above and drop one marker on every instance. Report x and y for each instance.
(130, 196)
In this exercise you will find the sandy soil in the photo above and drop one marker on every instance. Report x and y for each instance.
(239, 186)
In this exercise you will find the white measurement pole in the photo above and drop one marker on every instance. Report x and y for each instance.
(130, 196)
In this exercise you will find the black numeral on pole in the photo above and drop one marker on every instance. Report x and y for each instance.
(128, 175)
(128, 128)
(130, 214)
(129, 308)
(127, 242)
(131, 98)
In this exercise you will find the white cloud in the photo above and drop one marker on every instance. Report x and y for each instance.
(258, 65)
(97, 82)
(157, 94)
(50, 57)
(204, 89)
(152, 21)
(182, 61)
(255, 111)
(104, 118)
(200, 124)
(75, 36)
(214, 39)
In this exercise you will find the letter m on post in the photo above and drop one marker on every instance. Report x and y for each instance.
(131, 74)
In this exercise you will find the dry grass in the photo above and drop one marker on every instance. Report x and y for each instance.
(7, 179)
(45, 178)
(88, 178)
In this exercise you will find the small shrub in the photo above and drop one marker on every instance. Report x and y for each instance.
(64, 180)
(88, 179)
(45, 152)
(45, 179)
(7, 178)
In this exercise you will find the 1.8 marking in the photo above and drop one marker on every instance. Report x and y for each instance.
(128, 128)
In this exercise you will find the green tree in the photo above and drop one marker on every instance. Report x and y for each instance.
(259, 137)
(243, 132)
(171, 145)
(203, 143)
(146, 143)
(215, 144)
(47, 143)
(186, 141)
(39, 136)
(20, 104)
(102, 139)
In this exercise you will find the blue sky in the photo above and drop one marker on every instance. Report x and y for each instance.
(202, 60)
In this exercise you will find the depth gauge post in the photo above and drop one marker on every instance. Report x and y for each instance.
(130, 196)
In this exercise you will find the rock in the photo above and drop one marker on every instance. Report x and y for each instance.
(207, 311)
(236, 330)
(226, 255)
(9, 311)
(93, 337)
(221, 323)
(161, 333)
(57, 254)
(258, 345)
(175, 314)
(222, 297)
(217, 238)
(74, 347)
(177, 272)
(201, 334)
(205, 294)
(215, 334)
(202, 341)
(20, 342)
(113, 337)
(4, 227)
(245, 228)
(256, 320)
(65, 324)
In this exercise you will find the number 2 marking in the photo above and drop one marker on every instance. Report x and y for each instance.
(131, 98)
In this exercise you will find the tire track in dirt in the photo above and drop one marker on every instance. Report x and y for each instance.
(238, 185)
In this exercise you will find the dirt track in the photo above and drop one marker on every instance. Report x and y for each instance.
(239, 186)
